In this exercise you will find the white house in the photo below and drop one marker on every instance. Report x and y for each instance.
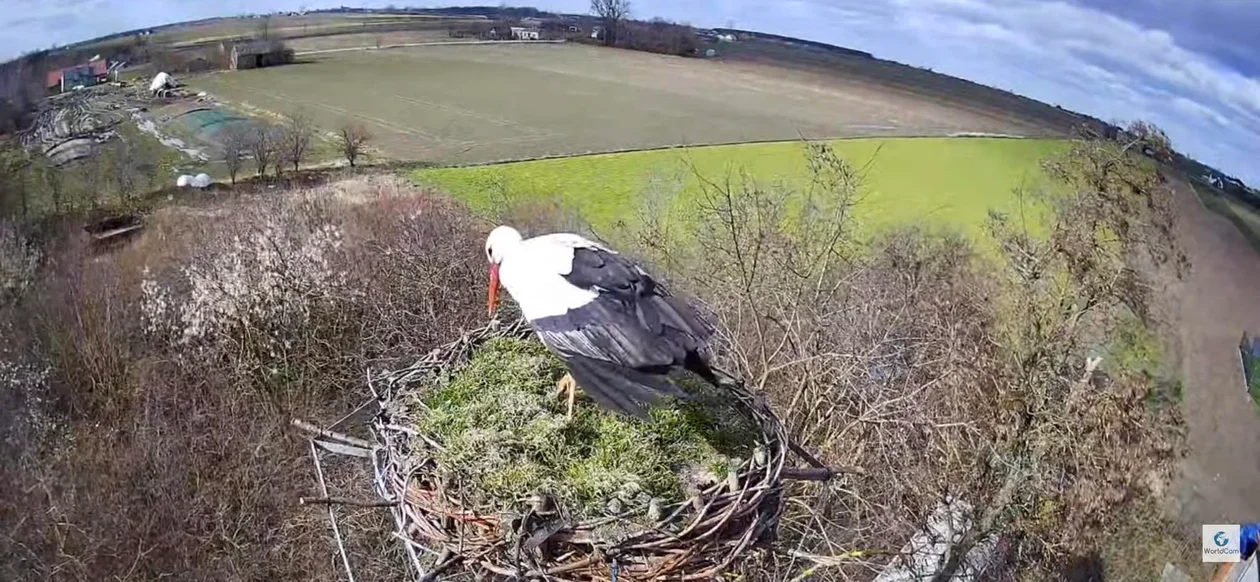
(522, 33)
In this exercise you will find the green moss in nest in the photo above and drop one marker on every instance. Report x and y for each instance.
(505, 436)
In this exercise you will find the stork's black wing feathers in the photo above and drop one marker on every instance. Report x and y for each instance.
(634, 322)
(621, 346)
(608, 272)
(618, 388)
(617, 277)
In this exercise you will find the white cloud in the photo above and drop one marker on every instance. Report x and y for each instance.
(1079, 57)
(1195, 108)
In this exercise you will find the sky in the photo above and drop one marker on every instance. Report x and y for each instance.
(1190, 66)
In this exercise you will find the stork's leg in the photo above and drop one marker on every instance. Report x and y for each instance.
(567, 385)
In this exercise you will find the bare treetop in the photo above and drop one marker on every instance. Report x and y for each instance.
(611, 13)
(352, 139)
(611, 9)
(236, 144)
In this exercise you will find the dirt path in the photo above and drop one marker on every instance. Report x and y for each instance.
(1221, 475)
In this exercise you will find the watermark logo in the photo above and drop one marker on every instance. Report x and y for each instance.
(1221, 543)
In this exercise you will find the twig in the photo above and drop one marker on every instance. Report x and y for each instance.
(341, 449)
(357, 411)
(805, 455)
(328, 434)
(835, 560)
(808, 474)
(332, 517)
(818, 473)
(344, 501)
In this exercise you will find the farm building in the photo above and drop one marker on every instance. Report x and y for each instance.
(522, 33)
(253, 55)
(84, 75)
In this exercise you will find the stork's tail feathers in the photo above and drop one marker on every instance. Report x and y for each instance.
(620, 388)
(698, 366)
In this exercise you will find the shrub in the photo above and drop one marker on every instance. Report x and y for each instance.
(19, 258)
(657, 36)
(944, 376)
(134, 456)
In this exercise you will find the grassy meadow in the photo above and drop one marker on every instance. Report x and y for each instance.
(950, 182)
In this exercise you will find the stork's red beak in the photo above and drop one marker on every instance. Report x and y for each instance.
(492, 301)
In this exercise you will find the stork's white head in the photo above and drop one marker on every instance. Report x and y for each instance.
(501, 241)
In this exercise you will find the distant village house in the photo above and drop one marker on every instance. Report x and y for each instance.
(522, 33)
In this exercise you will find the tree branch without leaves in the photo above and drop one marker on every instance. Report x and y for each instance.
(352, 139)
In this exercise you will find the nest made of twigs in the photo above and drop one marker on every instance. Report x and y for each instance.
(693, 539)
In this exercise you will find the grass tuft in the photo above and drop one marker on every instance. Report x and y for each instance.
(505, 436)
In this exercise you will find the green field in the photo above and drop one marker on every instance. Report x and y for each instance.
(950, 182)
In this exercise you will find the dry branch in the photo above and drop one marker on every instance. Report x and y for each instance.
(345, 501)
(328, 434)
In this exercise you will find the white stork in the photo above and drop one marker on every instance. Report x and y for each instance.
(619, 331)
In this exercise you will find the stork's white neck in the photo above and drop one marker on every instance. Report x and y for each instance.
(533, 272)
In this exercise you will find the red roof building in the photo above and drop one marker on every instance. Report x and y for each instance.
(86, 74)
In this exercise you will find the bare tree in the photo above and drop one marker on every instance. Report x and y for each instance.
(351, 140)
(1151, 139)
(262, 146)
(264, 28)
(236, 144)
(611, 14)
(295, 138)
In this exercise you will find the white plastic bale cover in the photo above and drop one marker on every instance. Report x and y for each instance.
(160, 81)
(201, 181)
(183, 180)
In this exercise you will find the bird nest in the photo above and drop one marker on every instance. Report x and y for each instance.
(453, 517)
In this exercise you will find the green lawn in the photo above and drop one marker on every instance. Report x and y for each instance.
(950, 182)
